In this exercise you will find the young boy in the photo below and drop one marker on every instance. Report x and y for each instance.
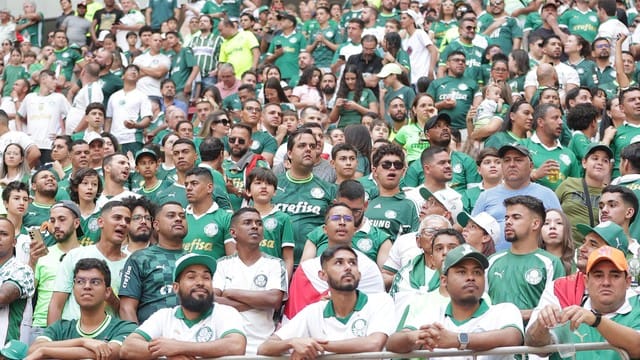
(145, 181)
(94, 116)
(278, 233)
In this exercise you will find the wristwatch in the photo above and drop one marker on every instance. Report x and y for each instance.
(598, 318)
(463, 339)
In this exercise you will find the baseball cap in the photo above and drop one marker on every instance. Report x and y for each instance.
(260, 10)
(14, 350)
(390, 68)
(463, 252)
(145, 151)
(92, 136)
(611, 232)
(68, 204)
(517, 147)
(417, 18)
(285, 15)
(434, 120)
(595, 147)
(447, 197)
(82, 3)
(547, 4)
(484, 220)
(608, 253)
(193, 259)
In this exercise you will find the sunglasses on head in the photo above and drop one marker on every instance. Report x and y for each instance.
(398, 165)
(237, 140)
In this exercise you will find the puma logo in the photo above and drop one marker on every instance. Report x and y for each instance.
(499, 274)
(581, 336)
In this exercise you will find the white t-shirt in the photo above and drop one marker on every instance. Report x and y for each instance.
(566, 75)
(133, 105)
(402, 251)
(134, 17)
(43, 114)
(416, 47)
(15, 137)
(88, 94)
(268, 273)
(150, 86)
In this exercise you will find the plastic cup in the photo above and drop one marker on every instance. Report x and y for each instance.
(562, 335)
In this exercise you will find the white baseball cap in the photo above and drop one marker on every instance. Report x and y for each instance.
(484, 220)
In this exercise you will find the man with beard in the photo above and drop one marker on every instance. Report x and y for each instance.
(253, 283)
(467, 322)
(368, 62)
(500, 28)
(262, 142)
(195, 328)
(65, 220)
(301, 194)
(398, 114)
(168, 91)
(516, 170)
(367, 239)
(206, 49)
(145, 290)
(140, 227)
(115, 168)
(568, 77)
(110, 82)
(519, 275)
(208, 223)
(553, 162)
(240, 162)
(328, 87)
(45, 187)
(68, 339)
(351, 321)
(605, 72)
(114, 221)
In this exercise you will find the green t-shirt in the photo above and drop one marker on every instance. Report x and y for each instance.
(587, 72)
(66, 59)
(517, 84)
(110, 84)
(33, 32)
(440, 28)
(470, 197)
(278, 233)
(521, 279)
(211, 7)
(396, 215)
(238, 178)
(406, 93)
(368, 240)
(111, 329)
(634, 185)
(383, 18)
(624, 134)
(152, 192)
(10, 75)
(370, 186)
(579, 144)
(502, 36)
(412, 139)
(306, 202)
(350, 14)
(181, 65)
(322, 54)
(579, 23)
(473, 56)
(288, 61)
(45, 274)
(501, 138)
(35, 216)
(349, 117)
(148, 278)
(465, 172)
(462, 89)
(208, 232)
(569, 165)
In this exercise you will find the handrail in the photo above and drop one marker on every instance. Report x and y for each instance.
(426, 354)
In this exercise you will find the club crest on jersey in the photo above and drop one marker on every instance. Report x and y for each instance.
(365, 244)
(533, 276)
(255, 145)
(463, 87)
(317, 193)
(390, 214)
(211, 229)
(93, 225)
(260, 280)
(270, 224)
(457, 168)
(565, 159)
(359, 328)
(204, 334)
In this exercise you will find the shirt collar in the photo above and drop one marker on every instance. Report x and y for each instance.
(483, 308)
(212, 209)
(536, 139)
(179, 314)
(330, 312)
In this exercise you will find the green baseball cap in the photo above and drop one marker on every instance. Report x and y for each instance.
(14, 350)
(193, 259)
(595, 147)
(146, 151)
(463, 252)
(611, 232)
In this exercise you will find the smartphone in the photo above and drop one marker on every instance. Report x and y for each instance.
(278, 46)
(35, 235)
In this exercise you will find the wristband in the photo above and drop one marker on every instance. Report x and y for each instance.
(598, 319)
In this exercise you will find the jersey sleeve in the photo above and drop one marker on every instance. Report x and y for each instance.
(287, 232)
(298, 325)
(230, 322)
(219, 274)
(154, 325)
(379, 322)
(54, 332)
(270, 145)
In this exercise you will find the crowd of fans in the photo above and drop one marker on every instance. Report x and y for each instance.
(238, 177)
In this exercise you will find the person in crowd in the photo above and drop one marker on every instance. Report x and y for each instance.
(556, 238)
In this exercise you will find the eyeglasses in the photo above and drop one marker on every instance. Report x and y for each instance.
(603, 46)
(237, 140)
(497, 3)
(470, 28)
(252, 109)
(93, 282)
(500, 69)
(345, 218)
(257, 29)
(140, 217)
(398, 165)
(224, 122)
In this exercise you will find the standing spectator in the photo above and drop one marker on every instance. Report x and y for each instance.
(422, 52)
(132, 20)
(30, 23)
(103, 19)
(159, 11)
(239, 48)
(324, 38)
(183, 68)
(153, 67)
(465, 44)
(499, 27)
(581, 20)
(7, 26)
(76, 26)
(66, 59)
(206, 48)
(285, 49)
(43, 114)
(12, 72)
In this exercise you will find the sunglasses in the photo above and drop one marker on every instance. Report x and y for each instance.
(470, 28)
(398, 165)
(345, 218)
(237, 140)
(224, 122)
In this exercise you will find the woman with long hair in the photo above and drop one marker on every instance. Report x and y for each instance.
(358, 135)
(517, 125)
(14, 165)
(519, 66)
(446, 20)
(411, 136)
(85, 187)
(353, 99)
(556, 238)
(216, 125)
(111, 144)
(167, 164)
(273, 93)
(393, 52)
(13, 71)
(578, 51)
(487, 61)
(308, 91)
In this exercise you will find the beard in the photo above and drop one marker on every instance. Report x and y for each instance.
(399, 117)
(329, 90)
(199, 305)
(336, 285)
(49, 193)
(140, 238)
(513, 238)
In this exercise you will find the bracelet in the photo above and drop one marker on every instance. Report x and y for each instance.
(598, 318)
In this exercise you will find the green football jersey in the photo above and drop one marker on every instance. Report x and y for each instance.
(623, 137)
(181, 66)
(462, 90)
(66, 59)
(148, 278)
(322, 54)
(473, 56)
(581, 23)
(586, 71)
(367, 240)
(396, 215)
(208, 233)
(502, 36)
(465, 172)
(278, 233)
(90, 229)
(288, 61)
(238, 178)
(111, 329)
(569, 165)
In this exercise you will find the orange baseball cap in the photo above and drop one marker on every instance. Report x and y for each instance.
(608, 253)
